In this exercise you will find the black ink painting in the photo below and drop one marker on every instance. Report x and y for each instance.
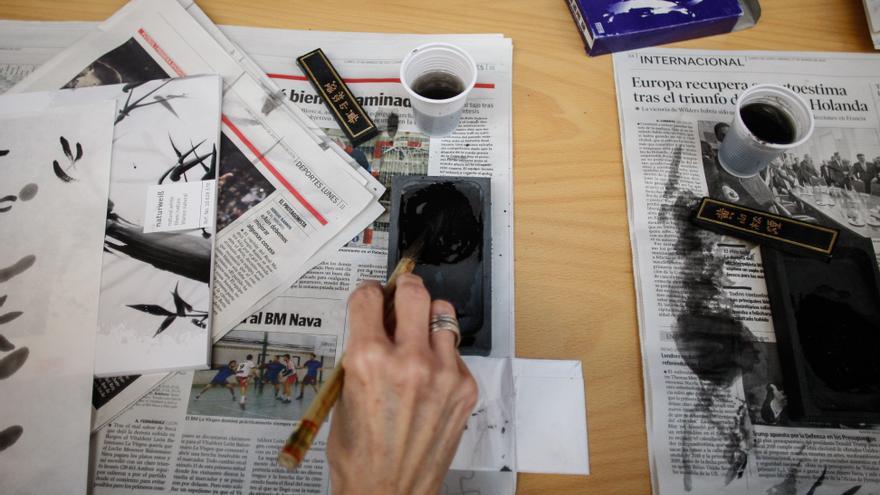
(63, 173)
(166, 132)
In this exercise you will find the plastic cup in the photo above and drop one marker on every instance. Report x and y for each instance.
(745, 155)
(438, 117)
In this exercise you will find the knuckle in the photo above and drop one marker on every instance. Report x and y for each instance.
(447, 379)
(441, 306)
(416, 370)
(368, 294)
(361, 361)
(468, 392)
(414, 294)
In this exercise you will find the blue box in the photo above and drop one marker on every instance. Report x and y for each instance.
(616, 25)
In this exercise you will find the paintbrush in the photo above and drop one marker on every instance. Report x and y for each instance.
(300, 441)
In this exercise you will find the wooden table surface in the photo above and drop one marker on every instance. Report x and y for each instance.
(574, 281)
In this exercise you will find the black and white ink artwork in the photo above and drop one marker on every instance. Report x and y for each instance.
(11, 362)
(15, 358)
(166, 131)
(130, 106)
(182, 309)
(49, 281)
(63, 173)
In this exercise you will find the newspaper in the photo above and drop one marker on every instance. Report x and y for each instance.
(510, 430)
(310, 315)
(716, 407)
(481, 147)
(287, 198)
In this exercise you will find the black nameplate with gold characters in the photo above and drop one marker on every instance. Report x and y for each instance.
(761, 227)
(351, 117)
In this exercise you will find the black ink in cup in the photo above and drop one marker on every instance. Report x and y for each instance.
(438, 85)
(769, 123)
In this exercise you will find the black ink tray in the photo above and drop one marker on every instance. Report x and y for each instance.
(451, 216)
(826, 315)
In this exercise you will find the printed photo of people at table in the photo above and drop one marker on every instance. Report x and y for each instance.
(389, 154)
(263, 375)
(833, 179)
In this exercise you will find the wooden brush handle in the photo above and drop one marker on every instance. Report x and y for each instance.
(300, 441)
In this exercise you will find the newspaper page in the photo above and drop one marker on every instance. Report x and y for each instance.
(283, 196)
(219, 431)
(716, 407)
(312, 311)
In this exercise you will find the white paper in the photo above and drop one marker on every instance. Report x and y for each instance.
(180, 206)
(550, 441)
(53, 207)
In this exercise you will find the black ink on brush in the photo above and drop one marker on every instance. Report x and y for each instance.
(712, 341)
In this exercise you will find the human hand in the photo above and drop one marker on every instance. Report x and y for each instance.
(406, 397)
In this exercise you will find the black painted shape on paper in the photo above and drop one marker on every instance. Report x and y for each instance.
(17, 268)
(60, 172)
(449, 218)
(712, 341)
(182, 308)
(5, 344)
(28, 192)
(9, 436)
(827, 321)
(12, 362)
(130, 106)
(7, 317)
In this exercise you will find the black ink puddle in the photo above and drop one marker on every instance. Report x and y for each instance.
(713, 342)
(447, 221)
(827, 321)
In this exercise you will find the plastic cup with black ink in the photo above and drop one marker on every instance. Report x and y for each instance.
(438, 78)
(769, 121)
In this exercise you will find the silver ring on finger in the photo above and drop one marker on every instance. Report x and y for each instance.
(447, 323)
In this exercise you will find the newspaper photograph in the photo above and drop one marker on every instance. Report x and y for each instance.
(718, 413)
